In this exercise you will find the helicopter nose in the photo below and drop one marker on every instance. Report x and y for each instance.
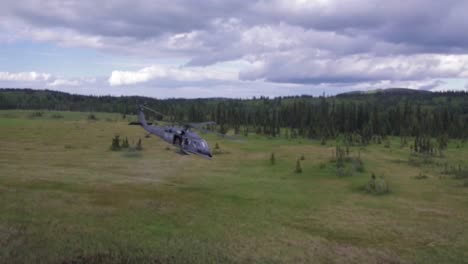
(205, 152)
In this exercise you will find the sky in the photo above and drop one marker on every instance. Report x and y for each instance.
(237, 49)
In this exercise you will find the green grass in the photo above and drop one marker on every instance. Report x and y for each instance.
(64, 197)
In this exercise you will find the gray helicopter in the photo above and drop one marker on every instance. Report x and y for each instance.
(181, 136)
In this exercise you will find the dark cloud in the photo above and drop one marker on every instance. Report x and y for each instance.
(135, 19)
(420, 23)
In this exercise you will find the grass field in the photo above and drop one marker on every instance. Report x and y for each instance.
(66, 198)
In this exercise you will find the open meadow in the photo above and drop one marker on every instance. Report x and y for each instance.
(65, 197)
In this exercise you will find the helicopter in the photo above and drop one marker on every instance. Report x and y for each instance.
(184, 137)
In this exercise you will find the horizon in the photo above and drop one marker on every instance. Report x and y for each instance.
(355, 92)
(227, 49)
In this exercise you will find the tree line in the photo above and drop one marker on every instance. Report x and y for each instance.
(360, 117)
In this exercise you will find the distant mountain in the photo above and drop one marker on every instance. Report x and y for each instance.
(400, 91)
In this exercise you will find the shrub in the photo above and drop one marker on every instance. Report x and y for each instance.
(216, 146)
(344, 171)
(420, 159)
(302, 157)
(322, 165)
(358, 164)
(377, 185)
(272, 159)
(421, 176)
(340, 155)
(125, 143)
(461, 173)
(36, 114)
(323, 141)
(387, 143)
(298, 167)
(115, 143)
(139, 147)
(92, 117)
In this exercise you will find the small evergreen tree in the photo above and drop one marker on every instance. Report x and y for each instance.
(115, 143)
(387, 143)
(323, 141)
(125, 143)
(92, 117)
(272, 159)
(139, 146)
(298, 167)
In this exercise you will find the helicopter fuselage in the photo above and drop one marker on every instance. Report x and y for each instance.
(187, 140)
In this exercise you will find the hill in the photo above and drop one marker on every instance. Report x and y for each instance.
(394, 91)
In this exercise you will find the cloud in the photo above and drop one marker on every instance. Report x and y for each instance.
(24, 76)
(62, 82)
(322, 44)
(297, 68)
(431, 85)
(158, 72)
(41, 80)
(166, 25)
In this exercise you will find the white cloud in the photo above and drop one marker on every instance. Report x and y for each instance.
(41, 80)
(63, 82)
(24, 76)
(297, 68)
(183, 74)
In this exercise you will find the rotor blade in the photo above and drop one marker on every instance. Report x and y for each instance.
(202, 124)
(156, 112)
(231, 137)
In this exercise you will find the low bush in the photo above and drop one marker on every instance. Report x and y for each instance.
(420, 159)
(139, 146)
(421, 176)
(115, 143)
(345, 171)
(125, 143)
(36, 114)
(57, 116)
(323, 141)
(298, 167)
(92, 117)
(387, 143)
(358, 164)
(461, 173)
(377, 186)
(322, 165)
